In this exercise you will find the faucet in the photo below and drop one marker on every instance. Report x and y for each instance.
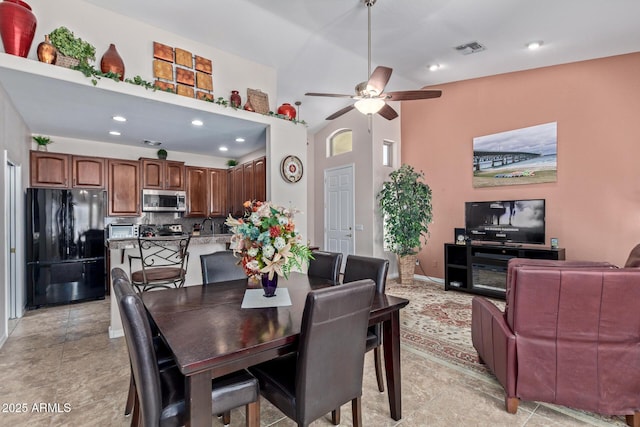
(205, 220)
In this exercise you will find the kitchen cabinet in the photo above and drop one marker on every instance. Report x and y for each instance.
(49, 170)
(123, 187)
(217, 192)
(197, 191)
(235, 187)
(88, 172)
(260, 178)
(206, 192)
(247, 181)
(52, 170)
(162, 174)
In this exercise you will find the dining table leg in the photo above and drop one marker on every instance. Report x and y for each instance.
(198, 399)
(391, 345)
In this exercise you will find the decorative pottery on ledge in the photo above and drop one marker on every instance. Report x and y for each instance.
(47, 52)
(235, 100)
(287, 110)
(112, 62)
(17, 27)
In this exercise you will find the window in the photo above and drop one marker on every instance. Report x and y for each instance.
(340, 142)
(387, 153)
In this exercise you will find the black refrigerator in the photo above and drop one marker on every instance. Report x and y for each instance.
(65, 246)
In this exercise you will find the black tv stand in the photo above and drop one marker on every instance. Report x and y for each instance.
(481, 268)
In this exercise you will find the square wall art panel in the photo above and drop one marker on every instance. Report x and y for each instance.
(521, 156)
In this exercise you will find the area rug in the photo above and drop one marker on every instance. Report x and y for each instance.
(438, 322)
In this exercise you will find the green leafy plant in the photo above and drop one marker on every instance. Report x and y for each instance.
(162, 153)
(231, 163)
(42, 140)
(68, 45)
(405, 202)
(91, 71)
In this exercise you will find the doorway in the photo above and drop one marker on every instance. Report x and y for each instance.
(339, 211)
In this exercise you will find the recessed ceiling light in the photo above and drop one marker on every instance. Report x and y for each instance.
(434, 67)
(197, 122)
(152, 143)
(119, 118)
(534, 45)
(114, 133)
(239, 139)
(223, 148)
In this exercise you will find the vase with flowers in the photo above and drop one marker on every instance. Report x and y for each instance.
(267, 243)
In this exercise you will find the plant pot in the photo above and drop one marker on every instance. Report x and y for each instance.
(406, 268)
(17, 27)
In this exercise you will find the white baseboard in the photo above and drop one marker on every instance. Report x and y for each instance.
(115, 333)
(428, 279)
(3, 339)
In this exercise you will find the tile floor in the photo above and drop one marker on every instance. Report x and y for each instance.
(59, 368)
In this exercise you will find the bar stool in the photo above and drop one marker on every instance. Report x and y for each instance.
(163, 260)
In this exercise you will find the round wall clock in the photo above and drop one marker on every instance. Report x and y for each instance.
(291, 169)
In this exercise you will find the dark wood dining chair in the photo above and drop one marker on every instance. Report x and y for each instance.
(220, 266)
(163, 262)
(325, 265)
(326, 371)
(358, 268)
(161, 394)
(163, 353)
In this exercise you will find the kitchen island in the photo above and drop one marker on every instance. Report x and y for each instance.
(118, 251)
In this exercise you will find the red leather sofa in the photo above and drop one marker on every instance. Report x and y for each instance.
(569, 335)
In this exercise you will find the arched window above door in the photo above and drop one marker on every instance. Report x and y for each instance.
(340, 142)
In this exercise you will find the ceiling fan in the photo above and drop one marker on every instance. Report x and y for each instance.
(370, 95)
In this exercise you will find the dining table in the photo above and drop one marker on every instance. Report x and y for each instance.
(211, 335)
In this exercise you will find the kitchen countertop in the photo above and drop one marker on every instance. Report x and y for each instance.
(205, 239)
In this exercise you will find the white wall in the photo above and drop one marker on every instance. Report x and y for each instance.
(14, 138)
(134, 42)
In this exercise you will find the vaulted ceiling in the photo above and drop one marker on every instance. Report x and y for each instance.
(321, 45)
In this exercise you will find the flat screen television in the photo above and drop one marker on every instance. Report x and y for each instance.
(506, 221)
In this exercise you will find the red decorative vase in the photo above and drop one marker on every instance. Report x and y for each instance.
(235, 99)
(111, 61)
(287, 110)
(17, 27)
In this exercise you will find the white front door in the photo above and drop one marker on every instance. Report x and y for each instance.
(339, 210)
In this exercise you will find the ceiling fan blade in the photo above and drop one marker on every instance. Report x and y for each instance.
(379, 78)
(341, 112)
(410, 95)
(387, 112)
(331, 95)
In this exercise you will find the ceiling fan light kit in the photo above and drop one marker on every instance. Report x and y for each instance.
(369, 105)
(370, 97)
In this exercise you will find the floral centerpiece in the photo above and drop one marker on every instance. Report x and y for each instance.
(266, 240)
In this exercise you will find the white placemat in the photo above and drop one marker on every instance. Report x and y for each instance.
(254, 298)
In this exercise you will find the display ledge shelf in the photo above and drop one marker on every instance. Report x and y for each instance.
(195, 240)
(54, 100)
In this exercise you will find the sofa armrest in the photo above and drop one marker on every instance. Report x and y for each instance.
(494, 342)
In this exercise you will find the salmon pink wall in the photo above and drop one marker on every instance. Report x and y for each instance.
(594, 207)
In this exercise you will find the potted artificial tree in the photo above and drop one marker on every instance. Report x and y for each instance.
(405, 202)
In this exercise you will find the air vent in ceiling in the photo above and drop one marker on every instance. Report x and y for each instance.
(469, 48)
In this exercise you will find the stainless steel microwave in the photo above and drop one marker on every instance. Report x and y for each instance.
(164, 201)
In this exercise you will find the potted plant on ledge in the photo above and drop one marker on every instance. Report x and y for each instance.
(72, 50)
(42, 142)
(405, 203)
